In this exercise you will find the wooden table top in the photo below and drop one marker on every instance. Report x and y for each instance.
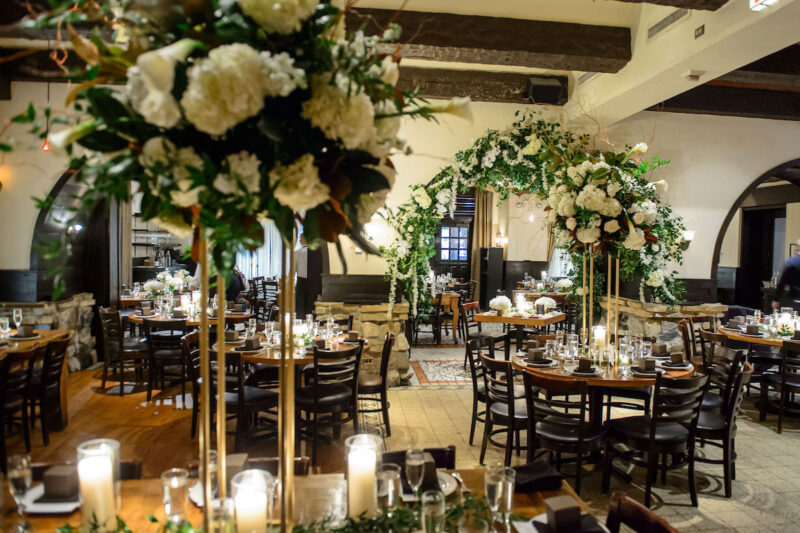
(230, 318)
(272, 356)
(765, 340)
(45, 336)
(133, 301)
(531, 321)
(143, 497)
(614, 376)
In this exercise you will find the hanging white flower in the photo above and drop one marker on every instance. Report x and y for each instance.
(655, 278)
(421, 197)
(401, 247)
(297, 185)
(571, 223)
(534, 145)
(151, 80)
(224, 89)
(635, 239)
(640, 147)
(278, 16)
(369, 203)
(612, 226)
(348, 119)
(588, 235)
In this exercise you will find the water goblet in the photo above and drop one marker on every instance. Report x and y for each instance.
(433, 511)
(493, 480)
(415, 469)
(175, 482)
(17, 316)
(388, 478)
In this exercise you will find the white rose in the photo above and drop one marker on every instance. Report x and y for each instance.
(343, 118)
(173, 224)
(638, 218)
(571, 223)
(150, 83)
(655, 278)
(297, 185)
(656, 248)
(635, 240)
(278, 16)
(612, 226)
(187, 195)
(588, 235)
(572, 172)
(156, 151)
(390, 73)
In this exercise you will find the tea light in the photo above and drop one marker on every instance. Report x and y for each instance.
(599, 336)
(362, 465)
(96, 476)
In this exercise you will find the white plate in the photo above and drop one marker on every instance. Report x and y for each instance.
(752, 335)
(648, 374)
(587, 374)
(249, 352)
(551, 364)
(662, 364)
(32, 507)
(447, 483)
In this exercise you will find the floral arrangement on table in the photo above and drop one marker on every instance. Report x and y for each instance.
(564, 284)
(225, 113)
(501, 304)
(154, 288)
(598, 201)
(545, 301)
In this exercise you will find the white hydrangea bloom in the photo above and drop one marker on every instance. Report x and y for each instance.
(635, 240)
(224, 89)
(343, 118)
(655, 278)
(534, 145)
(612, 226)
(571, 223)
(278, 16)
(421, 197)
(279, 75)
(297, 185)
(650, 210)
(401, 247)
(588, 235)
(244, 166)
(563, 236)
(591, 198)
(566, 206)
(613, 188)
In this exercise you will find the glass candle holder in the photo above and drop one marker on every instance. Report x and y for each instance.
(175, 483)
(99, 475)
(363, 456)
(252, 493)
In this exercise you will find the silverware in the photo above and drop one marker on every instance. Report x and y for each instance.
(458, 478)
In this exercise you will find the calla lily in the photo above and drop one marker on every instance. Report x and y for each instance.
(66, 137)
(460, 107)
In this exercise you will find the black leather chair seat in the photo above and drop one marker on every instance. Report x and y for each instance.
(520, 410)
(637, 429)
(327, 394)
(368, 381)
(252, 395)
(566, 435)
(134, 344)
(710, 422)
(639, 393)
(519, 391)
(712, 401)
(775, 380)
(13, 403)
(176, 353)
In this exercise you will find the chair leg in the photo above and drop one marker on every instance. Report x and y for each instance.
(26, 430)
(652, 466)
(509, 444)
(105, 374)
(780, 410)
(474, 419)
(663, 469)
(385, 407)
(647, 405)
(194, 420)
(519, 442)
(578, 468)
(121, 378)
(726, 466)
(151, 373)
(692, 488)
(487, 428)
(733, 459)
(762, 407)
(607, 466)
(43, 408)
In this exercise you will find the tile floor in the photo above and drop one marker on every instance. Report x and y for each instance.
(766, 492)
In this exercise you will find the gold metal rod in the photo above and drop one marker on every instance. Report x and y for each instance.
(221, 360)
(608, 302)
(286, 377)
(616, 314)
(583, 307)
(205, 389)
(591, 296)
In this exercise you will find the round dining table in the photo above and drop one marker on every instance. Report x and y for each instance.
(230, 318)
(617, 376)
(763, 339)
(271, 355)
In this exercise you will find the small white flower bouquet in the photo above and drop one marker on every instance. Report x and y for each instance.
(548, 303)
(564, 284)
(500, 304)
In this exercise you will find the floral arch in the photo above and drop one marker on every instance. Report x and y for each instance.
(598, 201)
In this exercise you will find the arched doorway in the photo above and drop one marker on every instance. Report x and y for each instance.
(753, 240)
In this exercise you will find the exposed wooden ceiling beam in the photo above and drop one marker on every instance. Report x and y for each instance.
(743, 79)
(706, 5)
(732, 101)
(502, 41)
(484, 86)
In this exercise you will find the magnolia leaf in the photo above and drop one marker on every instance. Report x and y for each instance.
(103, 141)
(73, 94)
(84, 47)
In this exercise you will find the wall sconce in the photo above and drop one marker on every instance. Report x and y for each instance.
(500, 240)
(760, 5)
(688, 237)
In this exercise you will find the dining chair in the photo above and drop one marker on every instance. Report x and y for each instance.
(190, 344)
(623, 511)
(698, 323)
(784, 382)
(725, 366)
(472, 355)
(503, 408)
(669, 430)
(721, 426)
(164, 350)
(331, 390)
(244, 402)
(632, 398)
(711, 341)
(44, 389)
(430, 318)
(685, 329)
(444, 458)
(120, 352)
(16, 370)
(466, 314)
(263, 309)
(373, 387)
(345, 323)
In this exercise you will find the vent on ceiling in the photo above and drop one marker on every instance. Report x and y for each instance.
(586, 76)
(666, 22)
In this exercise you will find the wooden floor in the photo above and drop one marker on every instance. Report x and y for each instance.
(157, 433)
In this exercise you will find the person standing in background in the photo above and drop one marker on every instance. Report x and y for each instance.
(789, 277)
(301, 295)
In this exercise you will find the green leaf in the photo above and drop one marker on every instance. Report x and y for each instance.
(103, 141)
(28, 116)
(366, 180)
(5, 147)
(105, 106)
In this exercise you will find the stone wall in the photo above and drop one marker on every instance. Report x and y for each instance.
(373, 322)
(659, 320)
(75, 313)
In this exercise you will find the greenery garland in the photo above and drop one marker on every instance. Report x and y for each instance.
(598, 201)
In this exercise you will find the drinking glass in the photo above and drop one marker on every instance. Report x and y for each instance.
(550, 349)
(251, 327)
(433, 511)
(415, 469)
(176, 492)
(4, 327)
(137, 288)
(17, 315)
(20, 477)
(223, 518)
(388, 485)
(213, 469)
(493, 481)
(507, 498)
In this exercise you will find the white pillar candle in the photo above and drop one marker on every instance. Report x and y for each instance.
(361, 484)
(251, 511)
(599, 336)
(96, 476)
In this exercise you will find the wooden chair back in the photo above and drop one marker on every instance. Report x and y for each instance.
(467, 312)
(443, 457)
(558, 403)
(473, 351)
(685, 329)
(111, 326)
(725, 367)
(53, 362)
(734, 403)
(386, 356)
(711, 341)
(790, 365)
(625, 512)
(498, 378)
(677, 400)
(164, 334)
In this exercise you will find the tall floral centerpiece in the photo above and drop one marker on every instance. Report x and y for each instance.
(224, 113)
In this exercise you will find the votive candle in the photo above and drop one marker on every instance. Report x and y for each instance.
(361, 485)
(96, 477)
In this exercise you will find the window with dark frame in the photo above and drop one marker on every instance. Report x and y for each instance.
(454, 243)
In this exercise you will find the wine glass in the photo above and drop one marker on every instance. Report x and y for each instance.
(493, 480)
(17, 314)
(415, 469)
(507, 497)
(433, 509)
(20, 477)
(4, 327)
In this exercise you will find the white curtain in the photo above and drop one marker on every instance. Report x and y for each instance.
(266, 261)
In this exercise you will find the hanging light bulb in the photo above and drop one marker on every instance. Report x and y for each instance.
(46, 144)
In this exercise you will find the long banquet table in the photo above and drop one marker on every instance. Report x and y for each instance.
(230, 318)
(141, 498)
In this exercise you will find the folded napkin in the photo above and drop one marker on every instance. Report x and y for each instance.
(589, 524)
(537, 476)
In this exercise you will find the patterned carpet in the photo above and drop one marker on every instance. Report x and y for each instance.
(441, 372)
